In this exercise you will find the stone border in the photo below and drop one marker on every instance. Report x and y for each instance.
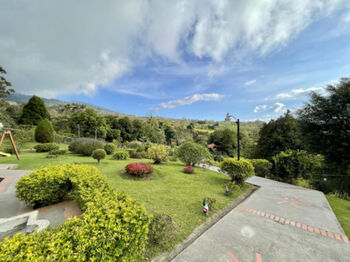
(198, 231)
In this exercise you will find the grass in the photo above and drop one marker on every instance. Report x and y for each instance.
(341, 209)
(169, 191)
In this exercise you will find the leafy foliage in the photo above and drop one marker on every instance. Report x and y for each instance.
(292, 164)
(85, 146)
(325, 125)
(57, 152)
(139, 169)
(112, 226)
(121, 155)
(110, 148)
(278, 135)
(4, 84)
(158, 153)
(99, 154)
(191, 153)
(46, 147)
(134, 154)
(225, 141)
(239, 170)
(262, 167)
(44, 132)
(34, 111)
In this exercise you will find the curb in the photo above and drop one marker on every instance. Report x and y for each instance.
(198, 231)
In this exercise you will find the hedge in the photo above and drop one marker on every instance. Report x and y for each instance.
(85, 146)
(113, 227)
(121, 155)
(46, 147)
(262, 167)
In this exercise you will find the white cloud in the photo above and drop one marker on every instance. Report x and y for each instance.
(277, 107)
(260, 108)
(65, 47)
(249, 83)
(191, 99)
(297, 93)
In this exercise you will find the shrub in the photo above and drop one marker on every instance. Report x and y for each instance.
(136, 146)
(134, 154)
(291, 164)
(189, 169)
(85, 146)
(112, 227)
(44, 132)
(139, 169)
(161, 230)
(52, 156)
(121, 155)
(218, 158)
(11, 150)
(239, 170)
(191, 153)
(110, 148)
(57, 152)
(99, 154)
(47, 147)
(262, 167)
(158, 153)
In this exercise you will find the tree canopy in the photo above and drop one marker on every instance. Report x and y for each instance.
(5, 91)
(325, 124)
(34, 111)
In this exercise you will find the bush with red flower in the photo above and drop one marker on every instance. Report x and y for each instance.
(139, 169)
(189, 169)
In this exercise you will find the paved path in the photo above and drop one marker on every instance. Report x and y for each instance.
(279, 222)
(11, 206)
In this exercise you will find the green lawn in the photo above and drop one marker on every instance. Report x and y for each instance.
(169, 191)
(341, 209)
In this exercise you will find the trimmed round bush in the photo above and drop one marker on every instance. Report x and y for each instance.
(139, 169)
(161, 230)
(85, 146)
(44, 132)
(191, 153)
(47, 147)
(110, 148)
(239, 170)
(112, 227)
(158, 153)
(262, 167)
(189, 169)
(121, 155)
(99, 154)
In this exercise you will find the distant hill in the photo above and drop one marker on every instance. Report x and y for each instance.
(22, 99)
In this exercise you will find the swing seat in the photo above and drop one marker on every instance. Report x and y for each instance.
(2, 154)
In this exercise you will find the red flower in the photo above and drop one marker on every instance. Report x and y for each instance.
(139, 169)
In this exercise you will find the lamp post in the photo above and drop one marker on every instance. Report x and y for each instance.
(238, 137)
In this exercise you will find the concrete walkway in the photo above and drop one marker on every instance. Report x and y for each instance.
(11, 206)
(279, 222)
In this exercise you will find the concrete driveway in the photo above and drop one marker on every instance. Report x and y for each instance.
(279, 222)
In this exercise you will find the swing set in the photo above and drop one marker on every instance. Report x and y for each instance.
(12, 141)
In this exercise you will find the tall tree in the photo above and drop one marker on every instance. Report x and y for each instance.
(279, 135)
(4, 84)
(325, 125)
(225, 141)
(34, 111)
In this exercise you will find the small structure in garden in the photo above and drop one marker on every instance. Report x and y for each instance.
(11, 139)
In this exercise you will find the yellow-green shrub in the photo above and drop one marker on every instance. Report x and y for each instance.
(113, 227)
(158, 153)
(239, 170)
(262, 167)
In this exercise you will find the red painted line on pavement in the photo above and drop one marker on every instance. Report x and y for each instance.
(305, 227)
(258, 257)
(232, 256)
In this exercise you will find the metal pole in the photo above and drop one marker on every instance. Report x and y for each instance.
(238, 147)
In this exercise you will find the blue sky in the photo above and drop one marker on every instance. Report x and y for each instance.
(182, 59)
